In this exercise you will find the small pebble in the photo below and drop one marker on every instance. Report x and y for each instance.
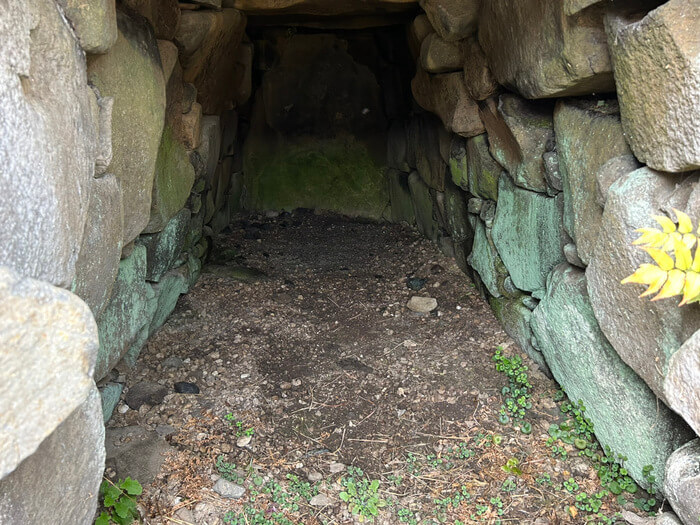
(422, 304)
(228, 489)
(243, 441)
(314, 476)
(183, 387)
(320, 500)
(336, 467)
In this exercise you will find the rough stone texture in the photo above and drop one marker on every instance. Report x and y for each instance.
(682, 483)
(520, 132)
(446, 96)
(135, 452)
(243, 87)
(645, 334)
(45, 165)
(128, 311)
(610, 172)
(419, 29)
(682, 383)
(168, 57)
(110, 394)
(210, 145)
(168, 290)
(515, 317)
(400, 197)
(552, 173)
(485, 260)
(94, 23)
(207, 40)
(423, 207)
(397, 144)
(164, 247)
(477, 73)
(422, 304)
(657, 72)
(528, 234)
(164, 15)
(103, 156)
(59, 483)
(457, 162)
(131, 73)
(588, 134)
(535, 49)
(483, 170)
(439, 56)
(452, 19)
(228, 489)
(425, 135)
(49, 342)
(625, 413)
(98, 260)
(172, 183)
(458, 225)
(190, 132)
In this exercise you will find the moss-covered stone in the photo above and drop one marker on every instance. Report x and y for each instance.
(625, 413)
(528, 233)
(423, 207)
(334, 174)
(165, 247)
(400, 197)
(110, 394)
(129, 310)
(458, 225)
(459, 169)
(168, 290)
(172, 184)
(485, 260)
(483, 170)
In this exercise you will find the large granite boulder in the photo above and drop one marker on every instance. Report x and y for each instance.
(49, 343)
(207, 41)
(682, 483)
(528, 233)
(131, 73)
(94, 23)
(121, 324)
(418, 30)
(98, 260)
(446, 95)
(452, 19)
(657, 72)
(45, 164)
(625, 413)
(60, 482)
(520, 132)
(172, 183)
(546, 52)
(682, 383)
(645, 334)
(589, 134)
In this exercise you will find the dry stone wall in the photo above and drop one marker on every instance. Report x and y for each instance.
(581, 127)
(112, 116)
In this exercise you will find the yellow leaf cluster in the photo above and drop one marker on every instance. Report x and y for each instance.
(677, 269)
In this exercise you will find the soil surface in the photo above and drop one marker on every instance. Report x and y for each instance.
(329, 401)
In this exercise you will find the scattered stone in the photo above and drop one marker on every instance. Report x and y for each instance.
(320, 500)
(415, 283)
(314, 476)
(336, 467)
(662, 46)
(296, 382)
(147, 393)
(422, 304)
(682, 483)
(228, 489)
(243, 441)
(183, 387)
(172, 362)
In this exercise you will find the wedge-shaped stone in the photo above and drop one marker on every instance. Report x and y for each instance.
(485, 260)
(657, 72)
(682, 484)
(440, 56)
(520, 132)
(446, 96)
(483, 170)
(49, 342)
(645, 334)
(528, 233)
(626, 414)
(545, 53)
(589, 134)
(452, 19)
(164, 248)
(682, 383)
(400, 197)
(477, 74)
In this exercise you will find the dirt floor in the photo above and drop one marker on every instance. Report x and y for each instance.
(329, 401)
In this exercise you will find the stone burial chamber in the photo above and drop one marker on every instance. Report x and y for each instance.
(529, 139)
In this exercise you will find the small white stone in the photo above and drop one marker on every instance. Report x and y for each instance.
(243, 441)
(320, 500)
(336, 467)
(422, 304)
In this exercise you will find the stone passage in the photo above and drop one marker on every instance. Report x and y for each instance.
(528, 139)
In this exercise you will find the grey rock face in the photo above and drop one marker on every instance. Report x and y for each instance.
(625, 413)
(657, 73)
(485, 260)
(164, 248)
(95, 23)
(645, 334)
(60, 482)
(682, 383)
(228, 489)
(49, 343)
(682, 483)
(45, 165)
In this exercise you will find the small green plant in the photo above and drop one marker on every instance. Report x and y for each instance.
(677, 274)
(361, 494)
(241, 429)
(509, 485)
(571, 485)
(407, 516)
(227, 470)
(119, 502)
(516, 396)
(511, 467)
